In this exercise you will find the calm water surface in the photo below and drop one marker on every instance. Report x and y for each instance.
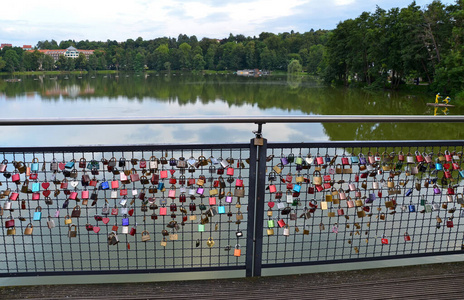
(185, 95)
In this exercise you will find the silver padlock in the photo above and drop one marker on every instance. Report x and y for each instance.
(7, 205)
(289, 197)
(124, 211)
(125, 229)
(286, 231)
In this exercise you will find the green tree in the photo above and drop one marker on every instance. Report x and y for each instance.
(139, 62)
(294, 67)
(12, 60)
(198, 62)
(161, 56)
(185, 56)
(48, 63)
(2, 63)
(81, 62)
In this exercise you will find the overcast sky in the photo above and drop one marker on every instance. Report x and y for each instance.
(30, 21)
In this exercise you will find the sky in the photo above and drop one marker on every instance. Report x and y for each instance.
(25, 22)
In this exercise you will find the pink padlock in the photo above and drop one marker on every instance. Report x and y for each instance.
(212, 200)
(73, 195)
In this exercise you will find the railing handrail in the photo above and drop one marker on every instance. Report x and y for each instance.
(232, 119)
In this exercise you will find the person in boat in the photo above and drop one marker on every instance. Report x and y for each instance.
(437, 97)
(447, 100)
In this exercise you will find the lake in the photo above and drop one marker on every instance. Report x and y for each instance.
(187, 95)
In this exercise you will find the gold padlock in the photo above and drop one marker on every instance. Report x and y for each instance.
(145, 236)
(210, 242)
(28, 230)
(67, 220)
(269, 213)
(163, 242)
(270, 231)
(173, 237)
(11, 231)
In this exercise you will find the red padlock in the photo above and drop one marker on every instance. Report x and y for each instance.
(132, 231)
(272, 188)
(407, 237)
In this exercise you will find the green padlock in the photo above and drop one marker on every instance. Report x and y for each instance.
(428, 208)
(299, 161)
(423, 202)
(270, 223)
(201, 227)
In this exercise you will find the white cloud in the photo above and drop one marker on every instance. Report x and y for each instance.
(29, 21)
(344, 2)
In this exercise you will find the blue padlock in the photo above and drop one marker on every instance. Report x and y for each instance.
(412, 208)
(69, 165)
(221, 209)
(37, 214)
(35, 165)
(409, 192)
(438, 166)
(105, 185)
(35, 187)
(161, 186)
(297, 188)
(125, 221)
(354, 159)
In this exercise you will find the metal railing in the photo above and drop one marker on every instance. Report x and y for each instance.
(172, 208)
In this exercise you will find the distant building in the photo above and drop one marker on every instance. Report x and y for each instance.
(5, 45)
(69, 52)
(24, 47)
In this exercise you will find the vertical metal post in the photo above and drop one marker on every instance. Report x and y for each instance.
(256, 205)
(251, 210)
(259, 208)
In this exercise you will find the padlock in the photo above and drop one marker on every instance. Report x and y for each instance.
(67, 220)
(133, 231)
(72, 231)
(286, 231)
(113, 238)
(449, 223)
(145, 236)
(50, 223)
(37, 214)
(407, 237)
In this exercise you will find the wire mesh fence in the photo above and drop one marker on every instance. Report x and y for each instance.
(114, 209)
(350, 201)
(173, 208)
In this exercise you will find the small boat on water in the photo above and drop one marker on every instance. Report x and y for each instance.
(440, 105)
(13, 80)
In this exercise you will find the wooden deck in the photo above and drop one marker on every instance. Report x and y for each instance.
(432, 281)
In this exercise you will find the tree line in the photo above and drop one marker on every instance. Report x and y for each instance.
(380, 49)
